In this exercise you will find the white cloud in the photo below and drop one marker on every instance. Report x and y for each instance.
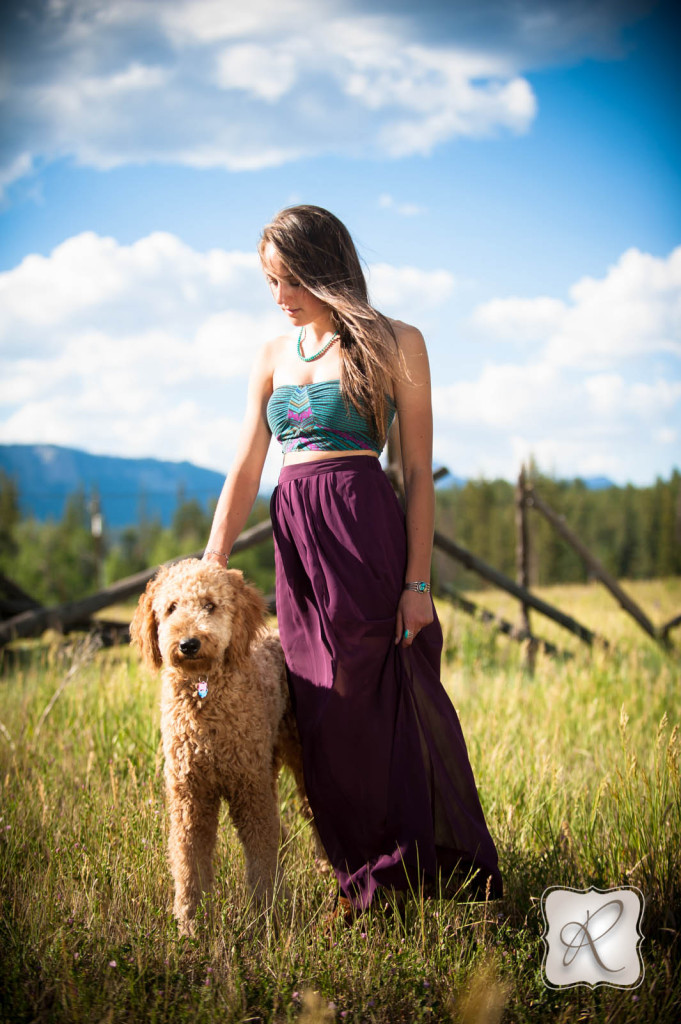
(123, 286)
(590, 399)
(134, 349)
(145, 348)
(16, 167)
(585, 456)
(267, 74)
(606, 393)
(635, 310)
(459, 107)
(536, 30)
(518, 320)
(211, 84)
(387, 202)
(504, 395)
(611, 395)
(408, 288)
(201, 22)
(443, 92)
(214, 83)
(649, 400)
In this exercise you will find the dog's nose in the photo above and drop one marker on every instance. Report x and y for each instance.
(190, 646)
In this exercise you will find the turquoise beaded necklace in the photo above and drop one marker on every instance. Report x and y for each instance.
(317, 355)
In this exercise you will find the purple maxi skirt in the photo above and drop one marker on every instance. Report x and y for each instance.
(385, 762)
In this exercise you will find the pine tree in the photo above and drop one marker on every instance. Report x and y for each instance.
(9, 517)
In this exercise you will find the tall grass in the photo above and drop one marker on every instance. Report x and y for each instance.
(577, 767)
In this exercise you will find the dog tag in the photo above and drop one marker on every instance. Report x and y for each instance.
(202, 687)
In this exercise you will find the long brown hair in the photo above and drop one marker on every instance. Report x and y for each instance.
(319, 252)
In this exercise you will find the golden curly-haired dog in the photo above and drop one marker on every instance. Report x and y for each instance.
(226, 721)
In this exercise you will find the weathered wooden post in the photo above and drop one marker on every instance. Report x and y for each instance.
(97, 531)
(523, 565)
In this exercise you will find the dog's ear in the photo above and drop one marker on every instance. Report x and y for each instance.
(249, 618)
(144, 628)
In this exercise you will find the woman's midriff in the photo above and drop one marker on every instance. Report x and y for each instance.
(291, 458)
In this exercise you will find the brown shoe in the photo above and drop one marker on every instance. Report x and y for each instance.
(343, 912)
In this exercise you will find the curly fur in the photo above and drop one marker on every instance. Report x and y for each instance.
(229, 744)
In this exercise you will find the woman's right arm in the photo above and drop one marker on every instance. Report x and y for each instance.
(243, 480)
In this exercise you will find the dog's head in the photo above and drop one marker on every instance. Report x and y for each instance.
(194, 614)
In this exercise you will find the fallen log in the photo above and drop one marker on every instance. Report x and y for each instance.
(499, 579)
(501, 625)
(13, 599)
(597, 568)
(668, 627)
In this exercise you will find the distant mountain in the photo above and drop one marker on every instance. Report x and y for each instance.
(592, 483)
(47, 474)
(128, 489)
(598, 483)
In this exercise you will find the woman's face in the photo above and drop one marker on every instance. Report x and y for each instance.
(293, 298)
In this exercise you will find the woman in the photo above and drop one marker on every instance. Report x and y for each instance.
(385, 762)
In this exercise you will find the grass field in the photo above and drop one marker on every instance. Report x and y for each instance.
(578, 772)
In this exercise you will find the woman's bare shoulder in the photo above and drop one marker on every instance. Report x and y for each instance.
(270, 354)
(276, 346)
(409, 338)
(414, 354)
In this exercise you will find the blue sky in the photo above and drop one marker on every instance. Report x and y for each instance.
(509, 172)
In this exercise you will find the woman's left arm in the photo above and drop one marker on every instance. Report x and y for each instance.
(415, 417)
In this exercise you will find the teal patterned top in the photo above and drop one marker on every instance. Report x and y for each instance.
(313, 417)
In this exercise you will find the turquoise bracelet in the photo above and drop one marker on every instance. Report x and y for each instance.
(421, 587)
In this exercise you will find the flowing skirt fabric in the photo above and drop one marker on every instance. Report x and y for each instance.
(385, 762)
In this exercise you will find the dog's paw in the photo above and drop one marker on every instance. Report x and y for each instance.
(186, 928)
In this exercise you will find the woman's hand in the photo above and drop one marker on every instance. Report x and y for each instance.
(414, 612)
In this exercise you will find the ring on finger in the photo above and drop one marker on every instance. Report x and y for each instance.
(409, 634)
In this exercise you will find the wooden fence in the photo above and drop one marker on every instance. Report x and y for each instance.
(24, 618)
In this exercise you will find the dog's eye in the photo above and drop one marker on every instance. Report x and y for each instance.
(171, 608)
(209, 607)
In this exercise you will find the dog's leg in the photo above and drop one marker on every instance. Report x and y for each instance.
(255, 813)
(193, 831)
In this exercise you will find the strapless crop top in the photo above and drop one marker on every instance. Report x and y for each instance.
(313, 417)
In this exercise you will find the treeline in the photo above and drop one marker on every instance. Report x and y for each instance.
(634, 531)
(58, 561)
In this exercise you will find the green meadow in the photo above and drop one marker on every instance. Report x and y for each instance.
(577, 766)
